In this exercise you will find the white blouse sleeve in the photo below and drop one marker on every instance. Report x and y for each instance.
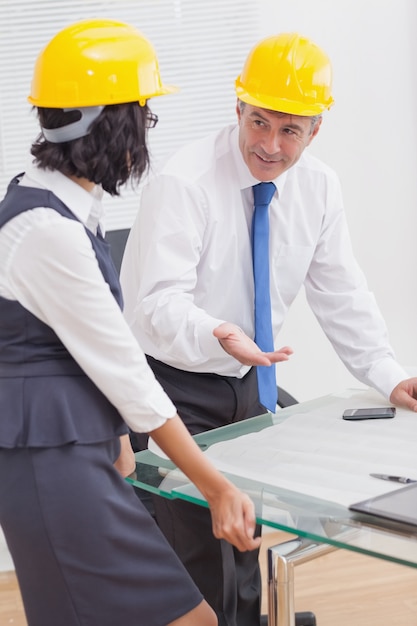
(50, 267)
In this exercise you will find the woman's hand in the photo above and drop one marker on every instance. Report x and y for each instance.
(125, 463)
(233, 518)
(232, 511)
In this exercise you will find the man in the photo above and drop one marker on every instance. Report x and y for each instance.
(189, 287)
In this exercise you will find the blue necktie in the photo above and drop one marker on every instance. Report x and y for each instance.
(267, 385)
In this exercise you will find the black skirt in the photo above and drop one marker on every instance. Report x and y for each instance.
(86, 551)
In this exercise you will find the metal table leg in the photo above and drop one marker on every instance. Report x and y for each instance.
(282, 559)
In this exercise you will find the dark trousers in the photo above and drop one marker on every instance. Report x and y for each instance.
(229, 579)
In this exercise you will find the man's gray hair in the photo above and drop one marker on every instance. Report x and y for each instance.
(313, 118)
(314, 121)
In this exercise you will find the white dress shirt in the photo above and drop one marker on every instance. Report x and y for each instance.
(47, 263)
(188, 262)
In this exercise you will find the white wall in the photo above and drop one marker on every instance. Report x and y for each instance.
(369, 137)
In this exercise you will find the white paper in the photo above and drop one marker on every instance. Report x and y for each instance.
(320, 454)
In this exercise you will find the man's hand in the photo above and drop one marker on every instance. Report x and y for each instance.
(405, 394)
(234, 341)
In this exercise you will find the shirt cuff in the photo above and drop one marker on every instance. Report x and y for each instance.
(157, 408)
(385, 375)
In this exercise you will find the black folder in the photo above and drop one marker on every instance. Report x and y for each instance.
(399, 505)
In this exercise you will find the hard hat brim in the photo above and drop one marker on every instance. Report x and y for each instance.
(281, 104)
(55, 104)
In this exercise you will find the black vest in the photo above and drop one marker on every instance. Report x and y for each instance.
(46, 399)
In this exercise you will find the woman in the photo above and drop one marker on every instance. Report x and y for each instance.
(72, 377)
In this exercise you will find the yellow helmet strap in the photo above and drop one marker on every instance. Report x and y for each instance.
(75, 130)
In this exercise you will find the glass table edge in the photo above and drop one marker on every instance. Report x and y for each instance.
(357, 532)
(338, 526)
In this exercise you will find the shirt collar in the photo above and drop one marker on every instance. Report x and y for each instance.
(244, 176)
(85, 206)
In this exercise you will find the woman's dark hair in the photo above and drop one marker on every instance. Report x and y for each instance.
(114, 151)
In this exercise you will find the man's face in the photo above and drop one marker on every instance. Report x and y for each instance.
(271, 142)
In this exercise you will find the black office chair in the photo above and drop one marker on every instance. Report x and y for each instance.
(117, 240)
(285, 398)
(305, 618)
(302, 618)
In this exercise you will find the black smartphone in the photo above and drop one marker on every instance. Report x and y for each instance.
(383, 412)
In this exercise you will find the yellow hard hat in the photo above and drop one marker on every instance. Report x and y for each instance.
(287, 73)
(96, 62)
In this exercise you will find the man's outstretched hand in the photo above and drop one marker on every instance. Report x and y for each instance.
(234, 341)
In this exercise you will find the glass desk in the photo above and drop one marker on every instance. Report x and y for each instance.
(319, 525)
